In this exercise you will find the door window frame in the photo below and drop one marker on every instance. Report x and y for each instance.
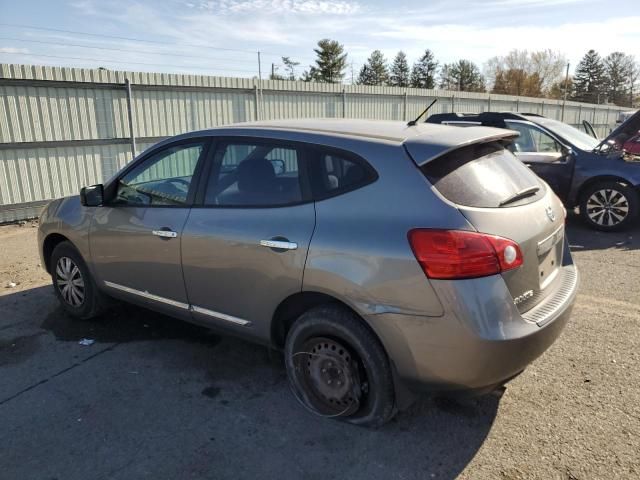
(112, 187)
(542, 130)
(306, 152)
(222, 142)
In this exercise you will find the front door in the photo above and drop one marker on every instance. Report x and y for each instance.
(135, 237)
(544, 155)
(244, 248)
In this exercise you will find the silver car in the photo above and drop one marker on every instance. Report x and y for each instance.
(384, 259)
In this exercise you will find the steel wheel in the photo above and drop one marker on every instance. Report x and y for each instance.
(69, 282)
(332, 376)
(607, 207)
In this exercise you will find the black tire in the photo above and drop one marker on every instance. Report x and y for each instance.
(609, 206)
(92, 300)
(363, 367)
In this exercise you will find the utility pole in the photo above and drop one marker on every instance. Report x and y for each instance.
(566, 86)
(273, 71)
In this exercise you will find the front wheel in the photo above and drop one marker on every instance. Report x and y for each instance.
(609, 205)
(337, 368)
(73, 284)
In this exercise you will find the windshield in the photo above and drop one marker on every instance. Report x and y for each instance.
(571, 134)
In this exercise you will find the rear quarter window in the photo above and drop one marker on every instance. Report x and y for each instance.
(481, 175)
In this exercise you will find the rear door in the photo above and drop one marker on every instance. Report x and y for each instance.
(244, 246)
(135, 237)
(543, 154)
(484, 181)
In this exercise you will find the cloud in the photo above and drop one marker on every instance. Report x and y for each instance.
(313, 7)
(13, 50)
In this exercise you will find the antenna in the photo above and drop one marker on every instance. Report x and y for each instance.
(412, 123)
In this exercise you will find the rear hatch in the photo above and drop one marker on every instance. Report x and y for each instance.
(500, 196)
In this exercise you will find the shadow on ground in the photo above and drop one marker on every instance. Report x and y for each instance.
(582, 238)
(241, 402)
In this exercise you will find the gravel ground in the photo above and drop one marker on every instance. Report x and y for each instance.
(158, 398)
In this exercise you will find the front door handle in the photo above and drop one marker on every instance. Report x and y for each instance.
(165, 233)
(279, 244)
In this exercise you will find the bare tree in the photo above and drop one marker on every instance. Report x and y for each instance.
(525, 73)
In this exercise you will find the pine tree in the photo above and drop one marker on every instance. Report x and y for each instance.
(462, 75)
(590, 79)
(374, 72)
(424, 71)
(400, 73)
(618, 69)
(330, 63)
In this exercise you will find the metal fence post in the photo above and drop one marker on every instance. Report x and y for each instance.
(579, 113)
(517, 104)
(344, 103)
(542, 109)
(404, 110)
(132, 134)
(453, 103)
(256, 97)
(488, 103)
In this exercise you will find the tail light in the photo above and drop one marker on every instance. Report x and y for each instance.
(451, 254)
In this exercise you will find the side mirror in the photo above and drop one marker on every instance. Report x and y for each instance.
(92, 196)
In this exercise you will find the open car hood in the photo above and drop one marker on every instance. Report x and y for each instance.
(623, 132)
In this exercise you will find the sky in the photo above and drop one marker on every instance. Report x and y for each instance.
(222, 37)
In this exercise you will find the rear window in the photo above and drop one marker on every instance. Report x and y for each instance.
(482, 175)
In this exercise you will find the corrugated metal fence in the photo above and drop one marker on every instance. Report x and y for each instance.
(62, 128)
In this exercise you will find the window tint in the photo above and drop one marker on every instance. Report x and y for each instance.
(261, 175)
(481, 176)
(532, 139)
(333, 173)
(163, 179)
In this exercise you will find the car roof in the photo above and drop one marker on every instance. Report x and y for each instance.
(424, 141)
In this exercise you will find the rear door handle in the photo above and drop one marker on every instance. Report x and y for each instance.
(279, 244)
(165, 233)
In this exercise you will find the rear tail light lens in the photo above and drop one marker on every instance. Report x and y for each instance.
(451, 254)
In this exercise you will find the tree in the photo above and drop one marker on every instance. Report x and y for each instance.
(557, 89)
(462, 75)
(290, 67)
(616, 69)
(423, 73)
(523, 73)
(590, 79)
(374, 72)
(634, 76)
(330, 63)
(400, 73)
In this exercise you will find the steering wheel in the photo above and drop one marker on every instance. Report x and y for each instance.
(176, 182)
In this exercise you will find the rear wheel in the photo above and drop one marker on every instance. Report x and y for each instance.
(609, 206)
(73, 284)
(338, 368)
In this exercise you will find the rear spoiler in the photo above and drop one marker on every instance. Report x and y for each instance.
(428, 146)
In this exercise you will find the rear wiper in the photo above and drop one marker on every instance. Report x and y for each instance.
(527, 192)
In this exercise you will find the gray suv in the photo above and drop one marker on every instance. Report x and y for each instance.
(384, 259)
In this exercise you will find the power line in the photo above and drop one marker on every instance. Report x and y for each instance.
(126, 50)
(132, 39)
(101, 60)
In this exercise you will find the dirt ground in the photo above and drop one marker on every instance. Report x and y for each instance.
(157, 398)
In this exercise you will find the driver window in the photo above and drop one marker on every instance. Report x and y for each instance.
(163, 179)
(532, 139)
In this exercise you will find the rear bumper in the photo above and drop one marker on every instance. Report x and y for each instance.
(481, 341)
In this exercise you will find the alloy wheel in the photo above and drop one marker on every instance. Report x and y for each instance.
(69, 282)
(607, 207)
